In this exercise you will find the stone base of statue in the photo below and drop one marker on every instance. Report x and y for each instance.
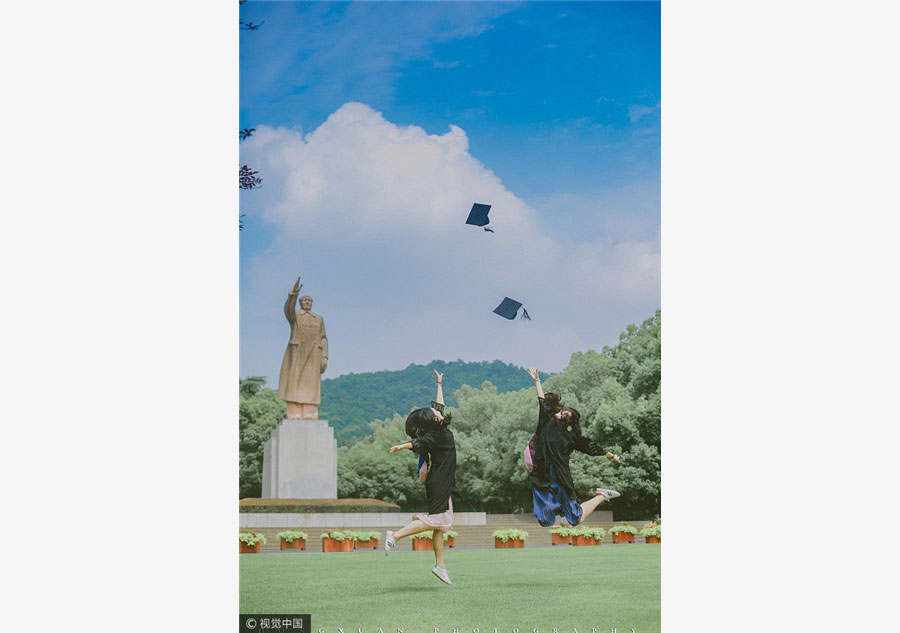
(300, 461)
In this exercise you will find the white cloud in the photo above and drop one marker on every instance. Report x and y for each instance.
(372, 214)
(638, 112)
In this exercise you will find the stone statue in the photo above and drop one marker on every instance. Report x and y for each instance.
(305, 359)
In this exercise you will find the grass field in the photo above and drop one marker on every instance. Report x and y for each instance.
(603, 588)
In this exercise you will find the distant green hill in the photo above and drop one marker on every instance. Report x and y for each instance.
(352, 401)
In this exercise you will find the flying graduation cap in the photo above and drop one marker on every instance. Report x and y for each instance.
(478, 216)
(508, 309)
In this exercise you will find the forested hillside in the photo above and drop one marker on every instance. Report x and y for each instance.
(352, 401)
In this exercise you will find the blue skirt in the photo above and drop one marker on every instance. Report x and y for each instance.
(548, 502)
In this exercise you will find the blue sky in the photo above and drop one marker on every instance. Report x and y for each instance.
(400, 114)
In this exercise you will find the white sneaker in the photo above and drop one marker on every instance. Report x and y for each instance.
(608, 494)
(442, 574)
(389, 542)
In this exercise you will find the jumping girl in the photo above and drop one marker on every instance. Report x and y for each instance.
(433, 441)
(558, 434)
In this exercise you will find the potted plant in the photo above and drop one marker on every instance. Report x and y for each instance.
(336, 541)
(591, 535)
(651, 533)
(292, 539)
(585, 535)
(422, 541)
(560, 535)
(352, 536)
(250, 541)
(366, 539)
(509, 538)
(623, 533)
(450, 538)
(581, 536)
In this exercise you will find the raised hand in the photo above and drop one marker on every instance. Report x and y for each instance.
(533, 372)
(297, 285)
(438, 376)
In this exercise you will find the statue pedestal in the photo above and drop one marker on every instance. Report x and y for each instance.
(300, 461)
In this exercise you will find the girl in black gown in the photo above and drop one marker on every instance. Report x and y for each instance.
(432, 440)
(558, 434)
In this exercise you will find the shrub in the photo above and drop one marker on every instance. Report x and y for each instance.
(363, 535)
(596, 533)
(252, 538)
(508, 533)
(337, 535)
(290, 535)
(651, 531)
(565, 530)
(622, 528)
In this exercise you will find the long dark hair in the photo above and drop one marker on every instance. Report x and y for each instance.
(552, 401)
(555, 406)
(423, 420)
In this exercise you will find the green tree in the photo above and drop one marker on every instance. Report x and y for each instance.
(620, 392)
(367, 470)
(260, 411)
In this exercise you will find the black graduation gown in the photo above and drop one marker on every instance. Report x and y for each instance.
(556, 439)
(441, 478)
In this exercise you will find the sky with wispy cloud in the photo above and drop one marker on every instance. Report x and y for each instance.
(377, 125)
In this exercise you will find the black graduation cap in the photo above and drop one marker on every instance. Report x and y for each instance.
(478, 216)
(508, 309)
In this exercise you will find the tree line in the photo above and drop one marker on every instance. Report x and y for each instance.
(616, 390)
(350, 402)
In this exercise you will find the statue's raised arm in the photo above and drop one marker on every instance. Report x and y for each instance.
(290, 304)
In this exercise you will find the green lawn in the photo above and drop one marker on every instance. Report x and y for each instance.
(605, 587)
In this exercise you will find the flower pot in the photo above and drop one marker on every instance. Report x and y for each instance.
(422, 545)
(651, 539)
(372, 543)
(556, 539)
(330, 545)
(623, 537)
(297, 543)
(249, 549)
(449, 541)
(509, 544)
(580, 539)
(334, 545)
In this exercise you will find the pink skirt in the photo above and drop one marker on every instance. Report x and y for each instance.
(442, 521)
